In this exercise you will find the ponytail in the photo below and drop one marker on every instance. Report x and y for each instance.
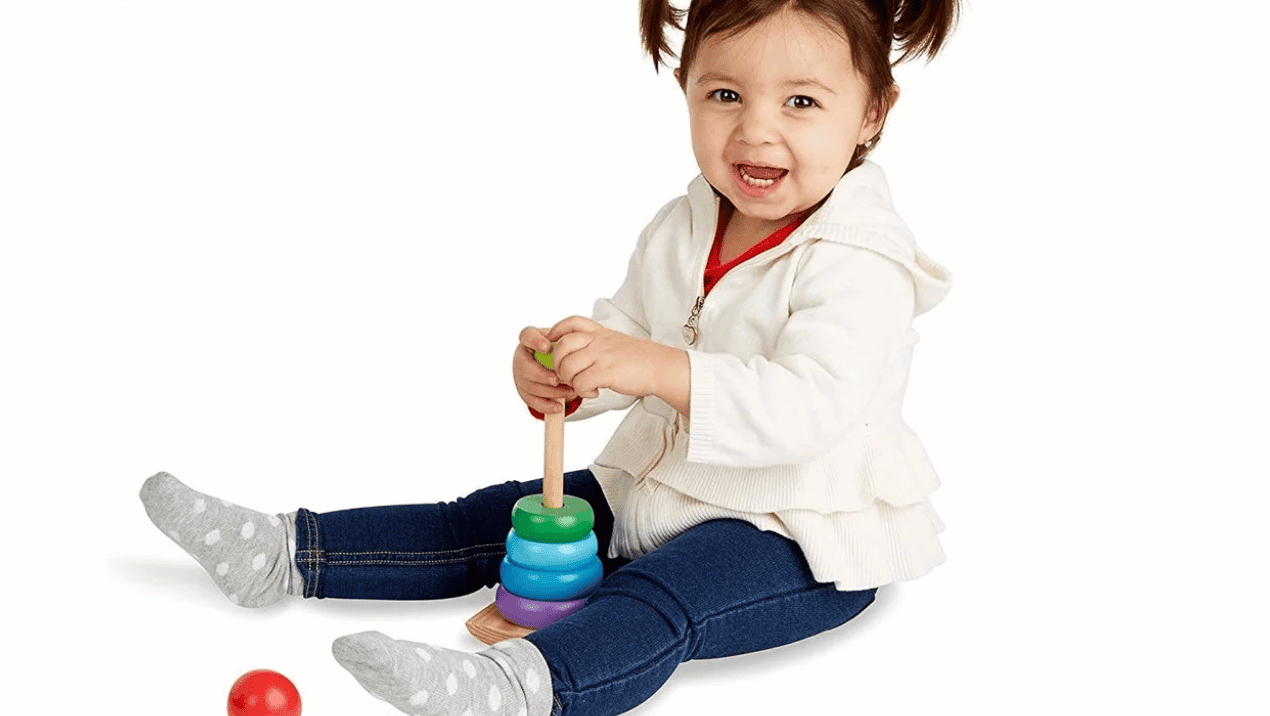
(919, 27)
(654, 17)
(911, 27)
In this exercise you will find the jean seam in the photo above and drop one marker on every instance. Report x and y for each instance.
(314, 555)
(474, 552)
(469, 548)
(350, 559)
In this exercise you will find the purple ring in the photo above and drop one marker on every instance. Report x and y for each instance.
(533, 613)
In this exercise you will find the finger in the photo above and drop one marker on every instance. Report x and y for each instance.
(554, 391)
(570, 325)
(570, 355)
(541, 391)
(573, 395)
(583, 384)
(532, 378)
(545, 406)
(570, 365)
(535, 339)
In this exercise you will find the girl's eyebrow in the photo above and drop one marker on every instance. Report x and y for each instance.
(716, 77)
(797, 83)
(808, 82)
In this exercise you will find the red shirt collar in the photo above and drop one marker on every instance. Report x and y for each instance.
(715, 270)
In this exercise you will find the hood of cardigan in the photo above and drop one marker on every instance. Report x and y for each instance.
(858, 213)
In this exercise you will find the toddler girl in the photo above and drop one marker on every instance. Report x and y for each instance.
(763, 484)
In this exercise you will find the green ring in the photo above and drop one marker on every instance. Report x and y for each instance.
(534, 522)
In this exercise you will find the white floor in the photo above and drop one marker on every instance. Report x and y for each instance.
(283, 251)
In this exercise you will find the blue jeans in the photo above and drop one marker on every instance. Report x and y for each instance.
(719, 589)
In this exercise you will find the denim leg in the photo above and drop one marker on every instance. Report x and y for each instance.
(721, 588)
(429, 551)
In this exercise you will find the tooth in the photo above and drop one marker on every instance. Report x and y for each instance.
(755, 182)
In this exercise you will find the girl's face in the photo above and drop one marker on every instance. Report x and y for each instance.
(776, 113)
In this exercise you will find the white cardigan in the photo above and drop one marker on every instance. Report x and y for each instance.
(797, 379)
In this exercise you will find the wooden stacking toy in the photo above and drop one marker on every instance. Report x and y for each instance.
(551, 564)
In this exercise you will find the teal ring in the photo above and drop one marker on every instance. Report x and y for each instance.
(560, 556)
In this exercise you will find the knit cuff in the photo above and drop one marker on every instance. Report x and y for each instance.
(701, 386)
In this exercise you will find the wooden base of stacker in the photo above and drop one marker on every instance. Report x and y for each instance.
(490, 626)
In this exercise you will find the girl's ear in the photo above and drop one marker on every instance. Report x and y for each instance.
(876, 116)
(677, 77)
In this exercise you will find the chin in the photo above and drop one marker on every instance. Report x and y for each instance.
(760, 210)
(768, 215)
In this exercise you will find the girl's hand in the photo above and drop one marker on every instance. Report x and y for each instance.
(589, 356)
(537, 386)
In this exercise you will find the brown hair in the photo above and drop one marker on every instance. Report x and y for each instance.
(873, 29)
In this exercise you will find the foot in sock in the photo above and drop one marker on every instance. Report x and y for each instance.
(508, 679)
(244, 551)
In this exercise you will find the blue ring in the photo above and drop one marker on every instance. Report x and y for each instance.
(551, 586)
(556, 557)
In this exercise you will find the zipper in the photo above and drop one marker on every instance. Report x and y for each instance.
(690, 331)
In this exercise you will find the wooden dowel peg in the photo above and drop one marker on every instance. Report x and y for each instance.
(553, 460)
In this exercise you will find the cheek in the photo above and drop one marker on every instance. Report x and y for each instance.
(827, 149)
(708, 145)
(705, 134)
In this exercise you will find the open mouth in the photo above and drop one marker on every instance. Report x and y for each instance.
(759, 177)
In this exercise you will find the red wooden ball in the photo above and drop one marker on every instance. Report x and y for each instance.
(263, 693)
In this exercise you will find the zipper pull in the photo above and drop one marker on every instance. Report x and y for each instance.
(690, 328)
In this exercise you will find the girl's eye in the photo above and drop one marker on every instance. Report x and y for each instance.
(724, 95)
(801, 102)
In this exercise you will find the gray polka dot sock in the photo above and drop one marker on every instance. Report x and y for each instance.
(245, 552)
(508, 679)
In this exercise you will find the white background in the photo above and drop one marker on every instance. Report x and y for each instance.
(283, 249)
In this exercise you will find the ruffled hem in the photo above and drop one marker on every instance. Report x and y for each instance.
(859, 549)
(870, 547)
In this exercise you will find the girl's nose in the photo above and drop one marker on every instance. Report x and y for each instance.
(757, 125)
